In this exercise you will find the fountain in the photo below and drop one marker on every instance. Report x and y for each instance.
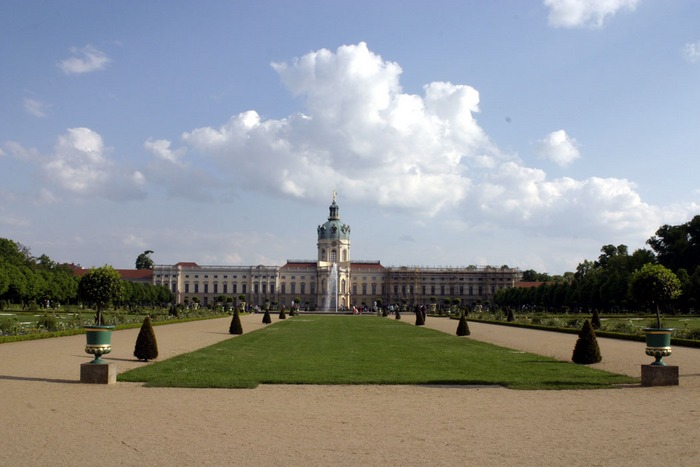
(330, 302)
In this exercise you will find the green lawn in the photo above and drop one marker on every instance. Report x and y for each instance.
(363, 350)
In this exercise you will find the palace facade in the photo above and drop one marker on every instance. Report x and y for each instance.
(333, 280)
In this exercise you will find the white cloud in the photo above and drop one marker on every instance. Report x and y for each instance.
(84, 60)
(169, 170)
(584, 13)
(559, 148)
(80, 166)
(360, 133)
(35, 107)
(132, 240)
(691, 52)
(422, 154)
(161, 148)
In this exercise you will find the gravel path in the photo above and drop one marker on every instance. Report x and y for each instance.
(49, 418)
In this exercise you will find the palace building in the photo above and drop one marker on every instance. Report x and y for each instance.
(333, 281)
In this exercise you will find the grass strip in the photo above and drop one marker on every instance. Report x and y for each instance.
(363, 350)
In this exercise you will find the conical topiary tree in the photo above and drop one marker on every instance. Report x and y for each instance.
(266, 317)
(586, 350)
(511, 317)
(398, 313)
(420, 319)
(283, 315)
(236, 326)
(146, 345)
(463, 326)
(595, 319)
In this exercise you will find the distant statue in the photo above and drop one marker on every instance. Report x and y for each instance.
(335, 194)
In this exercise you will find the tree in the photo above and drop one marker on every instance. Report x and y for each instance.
(678, 246)
(266, 317)
(463, 326)
(420, 319)
(143, 261)
(236, 326)
(100, 287)
(586, 350)
(654, 284)
(146, 345)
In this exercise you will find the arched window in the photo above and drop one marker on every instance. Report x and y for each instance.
(342, 286)
(323, 255)
(334, 256)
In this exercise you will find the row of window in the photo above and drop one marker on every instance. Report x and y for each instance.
(257, 288)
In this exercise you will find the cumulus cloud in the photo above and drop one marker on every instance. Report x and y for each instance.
(691, 52)
(80, 166)
(84, 60)
(35, 107)
(425, 154)
(359, 133)
(584, 13)
(161, 148)
(169, 170)
(559, 148)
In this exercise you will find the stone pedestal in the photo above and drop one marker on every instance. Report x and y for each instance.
(655, 375)
(98, 373)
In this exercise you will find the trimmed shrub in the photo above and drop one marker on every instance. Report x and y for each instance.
(586, 350)
(511, 316)
(146, 346)
(47, 322)
(595, 319)
(282, 314)
(463, 326)
(397, 314)
(420, 319)
(266, 317)
(236, 327)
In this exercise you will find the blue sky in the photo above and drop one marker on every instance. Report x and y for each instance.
(526, 133)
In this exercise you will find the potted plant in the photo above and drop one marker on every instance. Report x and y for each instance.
(99, 287)
(653, 284)
(433, 299)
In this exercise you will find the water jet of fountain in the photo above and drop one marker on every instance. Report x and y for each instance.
(330, 302)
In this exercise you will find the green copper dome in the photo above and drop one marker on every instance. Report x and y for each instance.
(334, 229)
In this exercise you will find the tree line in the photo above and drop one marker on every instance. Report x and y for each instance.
(41, 282)
(604, 284)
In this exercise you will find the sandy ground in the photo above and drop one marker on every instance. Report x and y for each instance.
(49, 418)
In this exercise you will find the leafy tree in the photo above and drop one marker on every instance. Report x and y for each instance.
(146, 345)
(143, 261)
(14, 253)
(100, 287)
(654, 284)
(678, 246)
(531, 275)
(586, 350)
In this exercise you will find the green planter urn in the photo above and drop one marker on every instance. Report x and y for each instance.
(658, 344)
(98, 342)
